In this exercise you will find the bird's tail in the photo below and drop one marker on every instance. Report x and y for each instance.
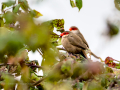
(83, 53)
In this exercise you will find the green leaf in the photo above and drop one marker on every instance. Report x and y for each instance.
(58, 23)
(109, 70)
(10, 42)
(34, 77)
(117, 4)
(104, 82)
(9, 3)
(35, 13)
(24, 4)
(9, 17)
(16, 8)
(113, 29)
(1, 21)
(72, 3)
(79, 86)
(9, 81)
(48, 24)
(3, 7)
(66, 67)
(54, 37)
(94, 86)
(78, 4)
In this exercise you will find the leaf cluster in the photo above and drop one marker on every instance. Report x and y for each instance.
(19, 34)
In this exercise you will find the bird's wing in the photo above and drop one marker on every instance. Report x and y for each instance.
(76, 41)
(83, 39)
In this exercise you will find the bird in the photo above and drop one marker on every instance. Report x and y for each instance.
(73, 43)
(76, 31)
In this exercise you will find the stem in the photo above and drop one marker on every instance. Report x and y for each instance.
(39, 81)
(39, 52)
(61, 49)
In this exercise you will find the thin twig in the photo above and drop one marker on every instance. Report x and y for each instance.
(61, 49)
(39, 81)
(34, 66)
(96, 56)
(39, 52)
(9, 8)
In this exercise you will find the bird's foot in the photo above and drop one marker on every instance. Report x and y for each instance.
(72, 56)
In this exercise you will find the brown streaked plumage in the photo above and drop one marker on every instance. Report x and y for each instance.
(73, 43)
(76, 31)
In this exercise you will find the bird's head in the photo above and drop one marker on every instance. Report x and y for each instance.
(64, 33)
(73, 28)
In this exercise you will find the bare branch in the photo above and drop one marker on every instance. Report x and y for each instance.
(39, 52)
(61, 49)
(39, 81)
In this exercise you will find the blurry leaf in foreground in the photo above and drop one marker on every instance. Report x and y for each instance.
(7, 4)
(117, 4)
(35, 35)
(95, 86)
(49, 57)
(25, 77)
(24, 4)
(9, 17)
(62, 85)
(1, 20)
(104, 82)
(112, 29)
(10, 42)
(16, 8)
(9, 82)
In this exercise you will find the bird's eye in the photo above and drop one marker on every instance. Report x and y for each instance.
(74, 28)
(64, 33)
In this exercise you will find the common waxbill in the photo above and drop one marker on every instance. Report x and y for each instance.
(73, 43)
(76, 31)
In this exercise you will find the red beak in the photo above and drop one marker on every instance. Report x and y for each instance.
(61, 34)
(70, 29)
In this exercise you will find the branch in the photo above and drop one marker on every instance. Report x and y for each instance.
(9, 8)
(39, 52)
(61, 49)
(34, 66)
(96, 56)
(39, 81)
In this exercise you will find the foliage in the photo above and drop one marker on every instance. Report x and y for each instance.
(77, 3)
(19, 34)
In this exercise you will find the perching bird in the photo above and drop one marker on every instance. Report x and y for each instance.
(76, 31)
(73, 43)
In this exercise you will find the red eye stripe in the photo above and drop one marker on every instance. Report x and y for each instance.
(64, 33)
(70, 29)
